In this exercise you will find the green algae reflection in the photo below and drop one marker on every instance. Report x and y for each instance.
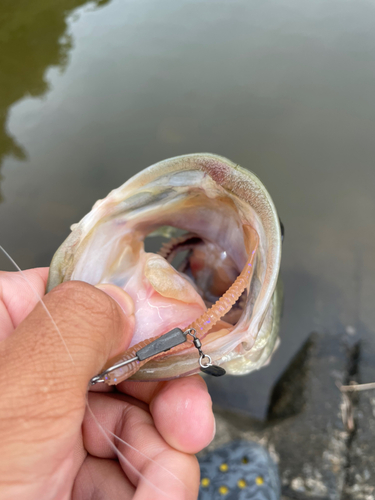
(33, 37)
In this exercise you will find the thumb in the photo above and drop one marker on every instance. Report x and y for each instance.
(88, 328)
(44, 374)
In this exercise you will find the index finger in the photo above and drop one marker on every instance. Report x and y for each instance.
(19, 294)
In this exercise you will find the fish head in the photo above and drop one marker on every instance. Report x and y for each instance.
(216, 218)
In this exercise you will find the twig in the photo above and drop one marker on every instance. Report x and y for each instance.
(357, 387)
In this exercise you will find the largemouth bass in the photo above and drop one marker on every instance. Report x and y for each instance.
(224, 233)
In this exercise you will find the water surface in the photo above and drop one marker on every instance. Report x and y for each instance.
(92, 92)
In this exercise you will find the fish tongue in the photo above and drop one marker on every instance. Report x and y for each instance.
(163, 299)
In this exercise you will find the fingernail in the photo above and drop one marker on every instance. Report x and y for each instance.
(122, 298)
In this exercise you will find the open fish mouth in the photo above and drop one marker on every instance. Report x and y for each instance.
(217, 272)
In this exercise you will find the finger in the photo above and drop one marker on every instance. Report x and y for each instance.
(144, 391)
(45, 371)
(174, 405)
(84, 327)
(149, 462)
(182, 412)
(100, 478)
(171, 475)
(19, 294)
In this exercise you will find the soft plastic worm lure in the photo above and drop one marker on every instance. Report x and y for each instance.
(135, 357)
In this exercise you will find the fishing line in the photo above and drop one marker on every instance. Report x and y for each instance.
(39, 299)
(102, 428)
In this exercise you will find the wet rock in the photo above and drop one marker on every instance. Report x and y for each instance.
(360, 479)
(304, 432)
(312, 443)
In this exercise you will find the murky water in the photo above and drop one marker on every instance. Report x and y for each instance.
(92, 92)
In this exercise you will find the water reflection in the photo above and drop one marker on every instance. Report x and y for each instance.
(33, 37)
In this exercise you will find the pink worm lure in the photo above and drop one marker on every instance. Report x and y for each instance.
(201, 325)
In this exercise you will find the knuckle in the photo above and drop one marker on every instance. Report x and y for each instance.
(87, 301)
(82, 308)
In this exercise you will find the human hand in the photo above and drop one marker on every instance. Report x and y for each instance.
(51, 446)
